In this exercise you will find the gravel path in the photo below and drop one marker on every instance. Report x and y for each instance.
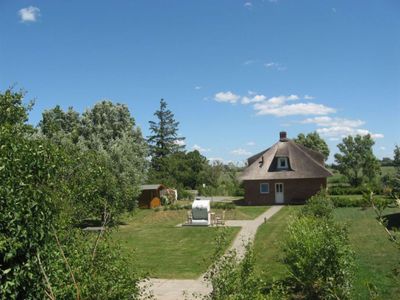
(175, 289)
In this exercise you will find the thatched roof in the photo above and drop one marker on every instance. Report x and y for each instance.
(302, 163)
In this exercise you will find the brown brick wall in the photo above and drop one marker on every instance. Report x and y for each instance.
(295, 190)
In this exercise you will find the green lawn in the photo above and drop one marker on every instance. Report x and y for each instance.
(242, 212)
(376, 257)
(165, 251)
(267, 241)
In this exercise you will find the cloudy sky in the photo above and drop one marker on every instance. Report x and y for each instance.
(235, 73)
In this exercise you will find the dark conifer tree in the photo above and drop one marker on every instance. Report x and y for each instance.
(164, 139)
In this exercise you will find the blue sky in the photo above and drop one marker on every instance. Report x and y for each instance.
(235, 73)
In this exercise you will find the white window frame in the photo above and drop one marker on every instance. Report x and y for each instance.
(285, 159)
(264, 183)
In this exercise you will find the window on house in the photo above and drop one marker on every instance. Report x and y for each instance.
(264, 188)
(282, 163)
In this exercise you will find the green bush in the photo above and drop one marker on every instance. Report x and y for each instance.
(27, 212)
(343, 201)
(319, 259)
(319, 206)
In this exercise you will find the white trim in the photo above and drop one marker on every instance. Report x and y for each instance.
(265, 183)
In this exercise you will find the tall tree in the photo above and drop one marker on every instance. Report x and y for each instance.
(106, 148)
(314, 142)
(55, 122)
(164, 139)
(396, 177)
(357, 160)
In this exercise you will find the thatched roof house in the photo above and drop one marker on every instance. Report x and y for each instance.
(284, 173)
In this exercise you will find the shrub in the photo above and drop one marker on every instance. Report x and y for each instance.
(343, 201)
(234, 279)
(319, 259)
(319, 206)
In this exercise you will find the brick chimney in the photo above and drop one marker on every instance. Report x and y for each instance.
(282, 136)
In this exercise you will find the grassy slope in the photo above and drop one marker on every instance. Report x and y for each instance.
(376, 257)
(165, 251)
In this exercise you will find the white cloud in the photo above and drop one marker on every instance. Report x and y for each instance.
(179, 142)
(382, 148)
(197, 87)
(331, 122)
(200, 149)
(250, 143)
(226, 97)
(253, 99)
(343, 131)
(308, 97)
(248, 5)
(249, 62)
(29, 14)
(277, 109)
(240, 152)
(275, 65)
(334, 10)
(333, 128)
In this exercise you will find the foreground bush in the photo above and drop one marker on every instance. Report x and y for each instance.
(319, 259)
(319, 206)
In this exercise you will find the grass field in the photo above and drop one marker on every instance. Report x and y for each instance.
(376, 256)
(165, 251)
(243, 212)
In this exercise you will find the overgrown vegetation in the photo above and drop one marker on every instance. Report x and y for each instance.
(50, 180)
(316, 253)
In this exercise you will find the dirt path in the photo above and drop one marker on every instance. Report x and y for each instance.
(175, 289)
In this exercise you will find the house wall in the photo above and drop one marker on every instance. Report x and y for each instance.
(295, 190)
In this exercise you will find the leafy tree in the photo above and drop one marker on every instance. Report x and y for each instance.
(56, 121)
(164, 139)
(357, 160)
(13, 112)
(395, 182)
(396, 157)
(106, 122)
(314, 142)
(107, 149)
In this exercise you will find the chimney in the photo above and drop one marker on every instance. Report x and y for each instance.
(282, 136)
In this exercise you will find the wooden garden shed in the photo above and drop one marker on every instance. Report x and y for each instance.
(151, 195)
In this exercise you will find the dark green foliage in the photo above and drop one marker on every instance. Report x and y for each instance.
(319, 259)
(350, 190)
(319, 206)
(28, 171)
(45, 189)
(164, 139)
(343, 201)
(356, 160)
(314, 142)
